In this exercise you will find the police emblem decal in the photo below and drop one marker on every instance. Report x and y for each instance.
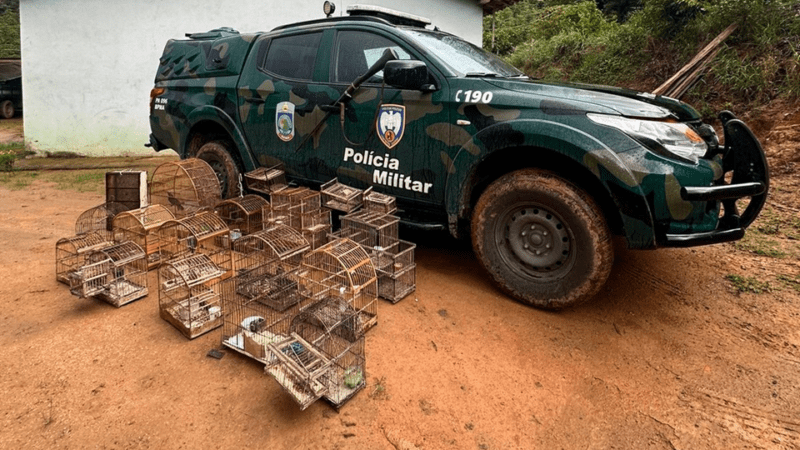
(284, 121)
(391, 124)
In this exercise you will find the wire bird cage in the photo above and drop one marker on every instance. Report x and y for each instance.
(278, 245)
(243, 213)
(116, 274)
(258, 306)
(322, 355)
(71, 252)
(188, 294)
(342, 269)
(395, 268)
(185, 187)
(370, 229)
(379, 203)
(301, 209)
(341, 197)
(266, 180)
(202, 233)
(141, 226)
(99, 218)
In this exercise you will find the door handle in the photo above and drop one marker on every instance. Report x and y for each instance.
(254, 99)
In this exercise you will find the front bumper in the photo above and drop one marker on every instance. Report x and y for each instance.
(743, 156)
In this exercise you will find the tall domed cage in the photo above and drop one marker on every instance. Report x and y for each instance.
(141, 226)
(342, 269)
(258, 307)
(185, 187)
(99, 218)
(279, 245)
(116, 274)
(202, 233)
(323, 355)
(188, 294)
(245, 214)
(71, 252)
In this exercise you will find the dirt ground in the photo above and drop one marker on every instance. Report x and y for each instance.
(675, 352)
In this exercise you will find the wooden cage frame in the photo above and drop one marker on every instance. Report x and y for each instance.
(99, 218)
(116, 274)
(185, 187)
(71, 252)
(277, 243)
(245, 214)
(141, 226)
(188, 294)
(202, 233)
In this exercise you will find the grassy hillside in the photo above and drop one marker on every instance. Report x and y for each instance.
(641, 43)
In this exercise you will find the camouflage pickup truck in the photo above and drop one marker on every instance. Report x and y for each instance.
(540, 175)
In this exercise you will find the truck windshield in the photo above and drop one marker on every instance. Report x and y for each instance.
(462, 56)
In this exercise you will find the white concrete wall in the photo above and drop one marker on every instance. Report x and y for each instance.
(88, 65)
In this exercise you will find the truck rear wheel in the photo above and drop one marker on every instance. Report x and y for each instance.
(217, 154)
(543, 240)
(7, 109)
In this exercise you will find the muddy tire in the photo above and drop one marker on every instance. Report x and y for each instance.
(217, 154)
(7, 109)
(543, 240)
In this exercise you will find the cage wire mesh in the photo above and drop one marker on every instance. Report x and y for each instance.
(323, 355)
(341, 197)
(185, 187)
(395, 268)
(379, 203)
(71, 252)
(188, 294)
(99, 218)
(266, 180)
(243, 213)
(258, 306)
(141, 226)
(279, 244)
(116, 274)
(370, 229)
(202, 233)
(342, 269)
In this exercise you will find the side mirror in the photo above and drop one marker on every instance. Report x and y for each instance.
(407, 74)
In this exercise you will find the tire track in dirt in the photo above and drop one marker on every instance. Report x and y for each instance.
(754, 425)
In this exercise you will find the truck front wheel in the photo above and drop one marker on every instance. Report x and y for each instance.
(543, 240)
(7, 109)
(217, 155)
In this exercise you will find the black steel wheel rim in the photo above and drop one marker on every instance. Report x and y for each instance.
(219, 170)
(535, 241)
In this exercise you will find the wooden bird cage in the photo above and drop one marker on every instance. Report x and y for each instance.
(71, 252)
(243, 213)
(342, 269)
(323, 354)
(99, 218)
(116, 274)
(341, 197)
(258, 307)
(185, 187)
(279, 245)
(266, 180)
(294, 207)
(395, 268)
(188, 294)
(370, 229)
(141, 226)
(202, 233)
(379, 203)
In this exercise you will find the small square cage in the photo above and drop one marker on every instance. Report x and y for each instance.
(341, 197)
(398, 285)
(279, 245)
(323, 355)
(379, 203)
(266, 180)
(342, 269)
(185, 187)
(188, 294)
(99, 218)
(371, 229)
(243, 213)
(258, 307)
(71, 252)
(396, 256)
(116, 274)
(317, 236)
(202, 233)
(141, 226)
(293, 206)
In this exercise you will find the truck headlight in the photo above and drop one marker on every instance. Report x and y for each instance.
(670, 139)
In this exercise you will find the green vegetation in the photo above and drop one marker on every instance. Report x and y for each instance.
(773, 234)
(748, 284)
(790, 281)
(9, 29)
(640, 43)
